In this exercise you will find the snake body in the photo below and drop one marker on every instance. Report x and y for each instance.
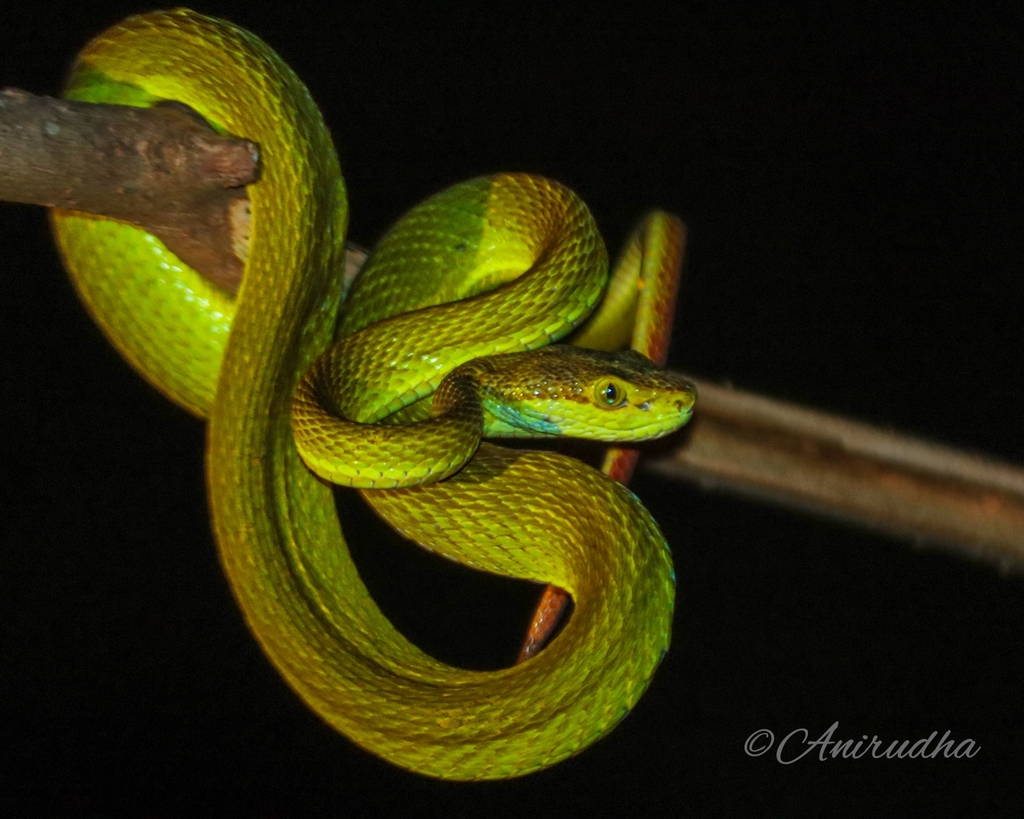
(237, 361)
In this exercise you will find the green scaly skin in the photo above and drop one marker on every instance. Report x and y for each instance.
(237, 362)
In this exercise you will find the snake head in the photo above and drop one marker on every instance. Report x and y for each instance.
(579, 393)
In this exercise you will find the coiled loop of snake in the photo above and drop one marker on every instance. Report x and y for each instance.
(526, 514)
(418, 288)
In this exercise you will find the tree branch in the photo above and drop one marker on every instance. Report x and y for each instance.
(162, 168)
(809, 460)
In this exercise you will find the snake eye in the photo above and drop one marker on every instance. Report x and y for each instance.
(610, 395)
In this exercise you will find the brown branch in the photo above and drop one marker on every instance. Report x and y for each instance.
(160, 168)
(810, 460)
(164, 170)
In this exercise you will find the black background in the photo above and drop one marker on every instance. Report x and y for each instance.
(853, 189)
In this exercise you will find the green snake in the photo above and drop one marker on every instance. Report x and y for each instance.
(433, 351)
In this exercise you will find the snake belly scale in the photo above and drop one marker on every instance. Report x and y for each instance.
(237, 361)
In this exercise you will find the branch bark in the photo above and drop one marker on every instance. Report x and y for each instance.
(162, 168)
(809, 460)
(166, 171)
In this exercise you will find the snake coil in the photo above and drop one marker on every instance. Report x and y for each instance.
(533, 515)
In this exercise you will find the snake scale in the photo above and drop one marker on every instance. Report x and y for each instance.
(496, 267)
